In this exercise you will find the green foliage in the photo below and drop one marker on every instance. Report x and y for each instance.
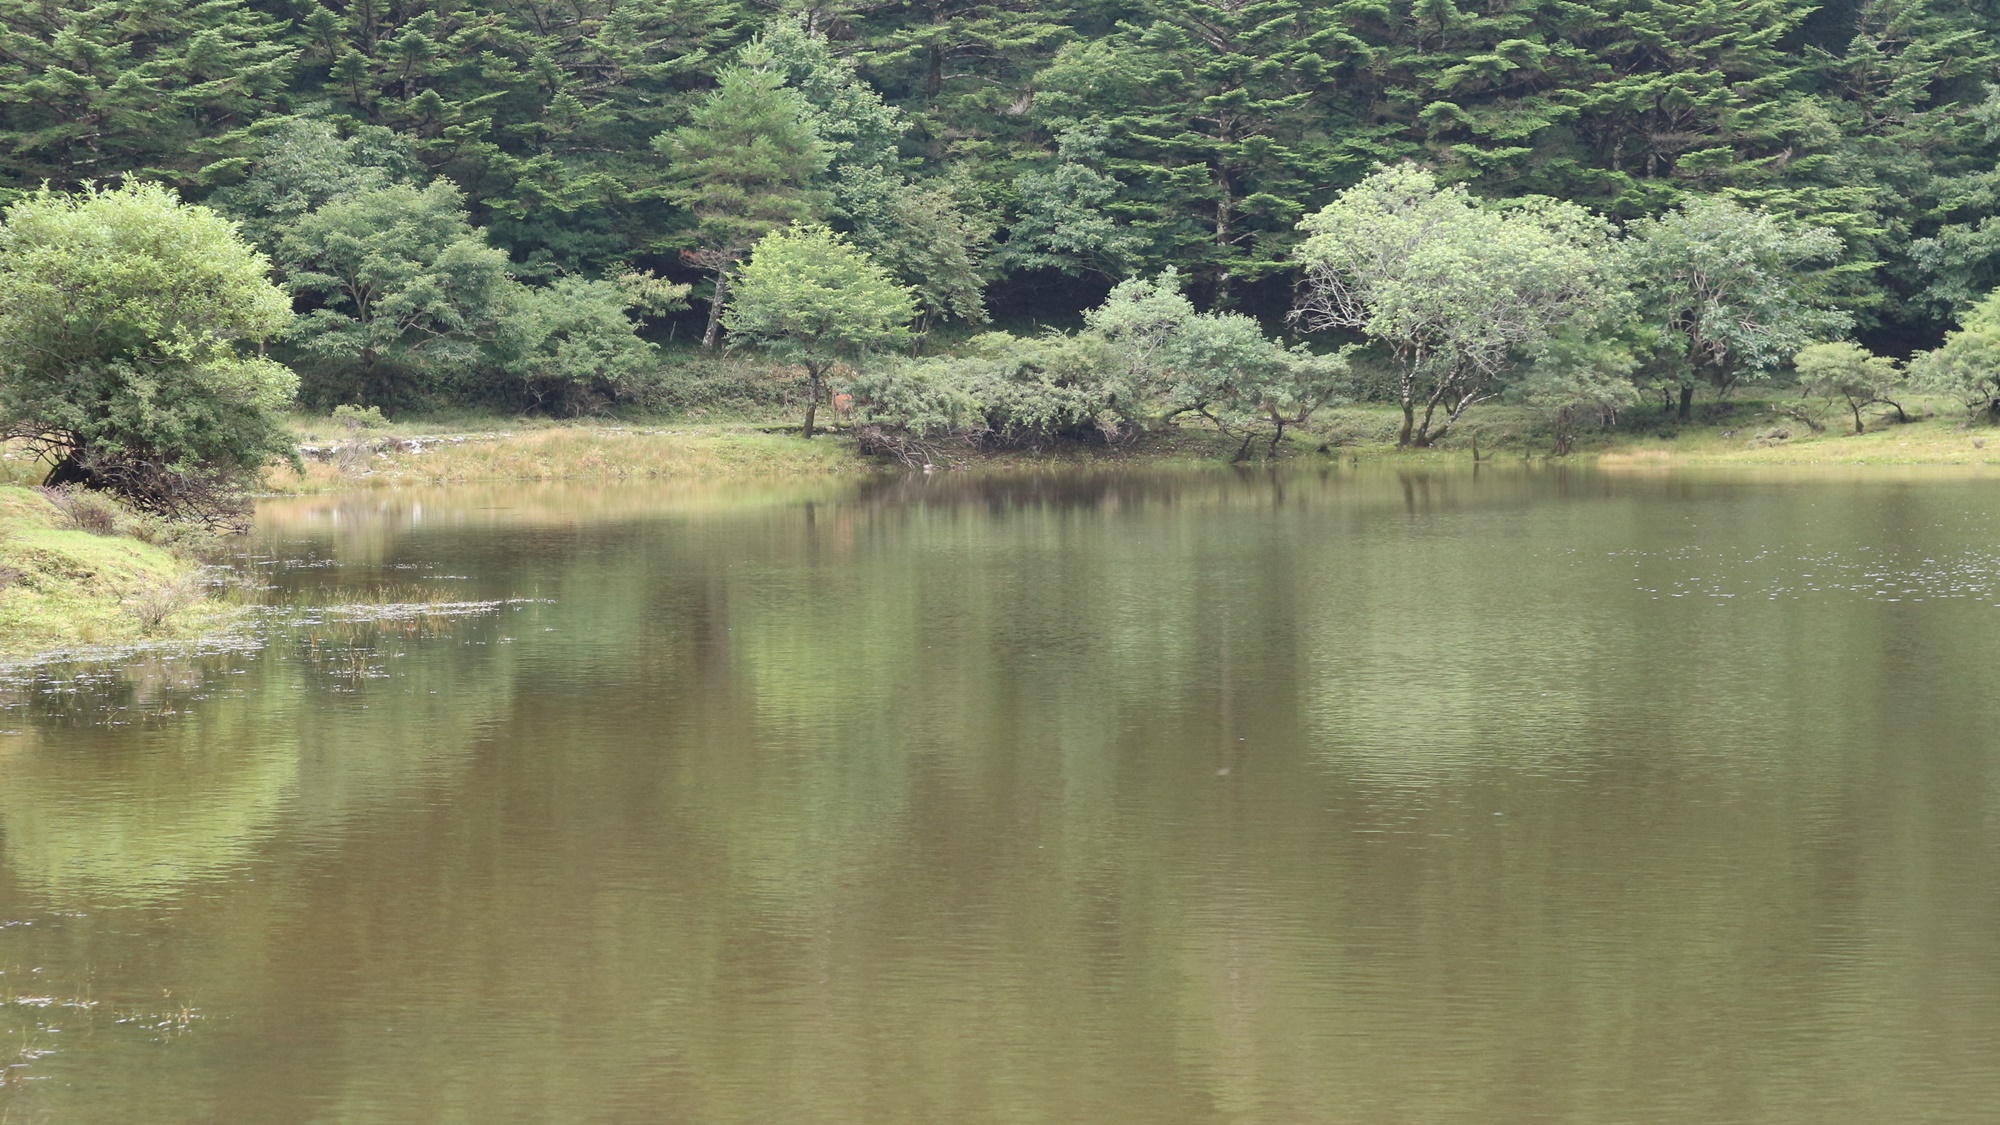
(1062, 219)
(926, 237)
(405, 288)
(92, 89)
(1455, 292)
(859, 130)
(810, 297)
(1212, 119)
(1732, 292)
(744, 165)
(1145, 356)
(301, 164)
(1218, 366)
(999, 392)
(125, 322)
(569, 346)
(412, 302)
(542, 112)
(1851, 373)
(1967, 365)
(972, 147)
(1580, 375)
(927, 234)
(357, 418)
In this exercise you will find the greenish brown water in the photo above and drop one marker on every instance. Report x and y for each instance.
(1343, 797)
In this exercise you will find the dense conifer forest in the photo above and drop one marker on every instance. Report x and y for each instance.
(512, 202)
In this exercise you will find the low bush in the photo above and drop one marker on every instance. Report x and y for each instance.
(696, 386)
(157, 601)
(1144, 358)
(1002, 392)
(84, 510)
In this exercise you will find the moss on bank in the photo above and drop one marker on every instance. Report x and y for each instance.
(64, 588)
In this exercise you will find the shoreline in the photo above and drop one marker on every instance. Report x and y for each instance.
(501, 450)
(65, 590)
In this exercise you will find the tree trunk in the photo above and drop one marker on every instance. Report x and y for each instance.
(812, 399)
(721, 294)
(68, 471)
(1224, 203)
(1409, 423)
(1687, 401)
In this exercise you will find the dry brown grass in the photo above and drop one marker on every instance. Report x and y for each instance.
(583, 452)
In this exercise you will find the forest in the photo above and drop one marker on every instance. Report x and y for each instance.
(1232, 212)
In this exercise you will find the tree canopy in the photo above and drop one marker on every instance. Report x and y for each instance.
(1732, 292)
(1088, 136)
(1454, 290)
(127, 323)
(810, 297)
(1771, 173)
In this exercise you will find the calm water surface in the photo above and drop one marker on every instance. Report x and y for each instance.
(1329, 797)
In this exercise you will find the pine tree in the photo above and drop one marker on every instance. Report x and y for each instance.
(744, 165)
(94, 91)
(542, 111)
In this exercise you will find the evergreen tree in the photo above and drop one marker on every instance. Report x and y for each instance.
(745, 165)
(94, 91)
(1212, 117)
(542, 112)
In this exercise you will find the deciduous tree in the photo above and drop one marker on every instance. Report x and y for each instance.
(405, 288)
(129, 323)
(1733, 292)
(1967, 364)
(1453, 290)
(810, 297)
(1851, 373)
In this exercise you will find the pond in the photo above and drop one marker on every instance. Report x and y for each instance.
(1340, 795)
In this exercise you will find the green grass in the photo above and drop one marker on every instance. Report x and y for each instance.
(509, 449)
(62, 588)
(1743, 432)
(1738, 433)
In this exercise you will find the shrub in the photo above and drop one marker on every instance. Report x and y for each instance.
(160, 402)
(84, 510)
(158, 601)
(1002, 392)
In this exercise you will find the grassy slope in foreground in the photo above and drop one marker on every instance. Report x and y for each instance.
(62, 588)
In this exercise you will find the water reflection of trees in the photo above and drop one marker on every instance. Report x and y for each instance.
(988, 803)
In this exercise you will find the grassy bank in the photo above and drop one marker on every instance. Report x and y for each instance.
(463, 450)
(468, 449)
(62, 587)
(1737, 433)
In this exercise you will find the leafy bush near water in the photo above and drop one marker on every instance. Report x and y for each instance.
(1145, 357)
(1002, 392)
